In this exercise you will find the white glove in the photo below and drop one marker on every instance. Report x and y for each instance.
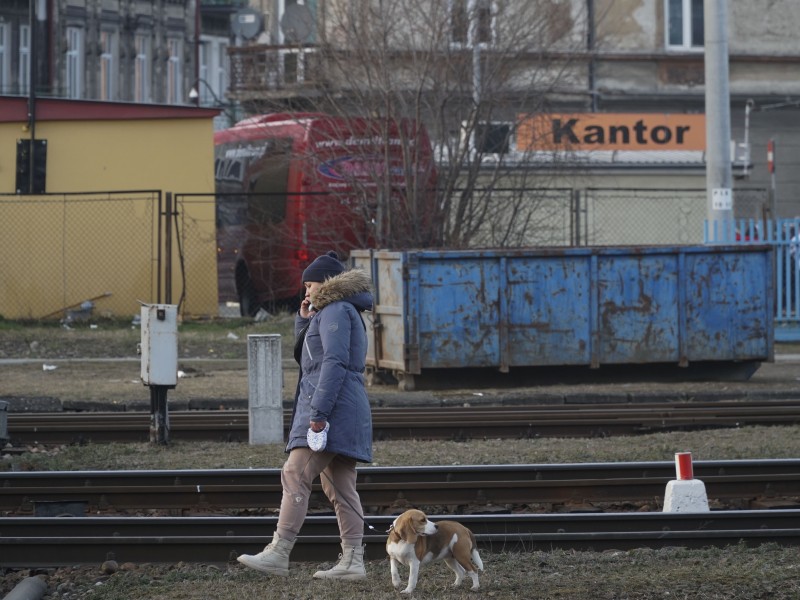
(317, 440)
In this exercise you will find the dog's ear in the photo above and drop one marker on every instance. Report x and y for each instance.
(404, 526)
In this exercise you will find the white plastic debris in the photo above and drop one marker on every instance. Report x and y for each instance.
(49, 367)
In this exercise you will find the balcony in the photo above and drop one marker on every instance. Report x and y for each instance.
(269, 71)
(223, 3)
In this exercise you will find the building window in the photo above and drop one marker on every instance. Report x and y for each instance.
(205, 69)
(684, 24)
(213, 70)
(174, 72)
(24, 74)
(74, 82)
(5, 58)
(221, 77)
(471, 21)
(459, 23)
(108, 65)
(141, 69)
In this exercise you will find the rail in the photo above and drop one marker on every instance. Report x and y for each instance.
(590, 486)
(450, 423)
(55, 542)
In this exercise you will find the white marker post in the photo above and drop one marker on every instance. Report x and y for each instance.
(685, 494)
(265, 381)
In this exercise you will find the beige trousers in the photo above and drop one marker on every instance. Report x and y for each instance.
(338, 477)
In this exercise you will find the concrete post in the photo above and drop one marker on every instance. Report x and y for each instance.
(30, 588)
(265, 381)
(719, 178)
(3, 421)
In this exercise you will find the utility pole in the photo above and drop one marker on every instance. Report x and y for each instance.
(473, 38)
(719, 178)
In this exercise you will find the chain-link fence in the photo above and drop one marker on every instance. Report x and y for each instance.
(641, 216)
(516, 217)
(111, 249)
(66, 256)
(196, 278)
(653, 216)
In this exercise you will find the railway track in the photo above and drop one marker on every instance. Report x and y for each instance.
(54, 542)
(454, 422)
(590, 486)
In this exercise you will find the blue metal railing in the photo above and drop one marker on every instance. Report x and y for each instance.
(784, 237)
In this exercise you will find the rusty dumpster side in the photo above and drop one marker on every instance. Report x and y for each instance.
(510, 308)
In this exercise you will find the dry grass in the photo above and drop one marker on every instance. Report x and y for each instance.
(103, 338)
(721, 444)
(733, 573)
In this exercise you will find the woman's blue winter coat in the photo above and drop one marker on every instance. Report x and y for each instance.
(332, 365)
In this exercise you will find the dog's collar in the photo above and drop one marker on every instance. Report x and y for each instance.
(391, 529)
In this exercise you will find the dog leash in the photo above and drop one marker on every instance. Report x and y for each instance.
(346, 501)
(370, 527)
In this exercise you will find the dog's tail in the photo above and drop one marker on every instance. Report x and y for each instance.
(476, 558)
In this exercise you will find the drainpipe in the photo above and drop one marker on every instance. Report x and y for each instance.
(51, 50)
(197, 22)
(748, 107)
(32, 93)
(591, 35)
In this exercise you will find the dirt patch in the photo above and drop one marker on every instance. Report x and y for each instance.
(85, 366)
(116, 385)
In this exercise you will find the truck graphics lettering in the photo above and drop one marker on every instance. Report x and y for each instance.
(358, 168)
(375, 140)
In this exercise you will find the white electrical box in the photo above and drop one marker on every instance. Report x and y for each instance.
(159, 344)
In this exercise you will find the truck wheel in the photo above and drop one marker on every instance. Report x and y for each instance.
(405, 381)
(248, 304)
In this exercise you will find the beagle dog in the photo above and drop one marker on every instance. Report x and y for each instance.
(414, 541)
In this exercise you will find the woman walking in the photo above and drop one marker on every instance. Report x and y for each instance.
(331, 402)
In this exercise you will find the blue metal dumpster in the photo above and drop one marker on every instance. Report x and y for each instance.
(509, 308)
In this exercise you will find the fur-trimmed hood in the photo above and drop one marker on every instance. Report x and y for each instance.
(353, 286)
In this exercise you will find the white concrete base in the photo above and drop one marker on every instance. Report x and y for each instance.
(685, 496)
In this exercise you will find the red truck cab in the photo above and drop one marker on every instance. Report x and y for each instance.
(291, 186)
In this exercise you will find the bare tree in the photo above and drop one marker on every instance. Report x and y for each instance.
(468, 70)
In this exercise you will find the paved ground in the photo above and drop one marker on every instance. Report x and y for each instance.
(776, 380)
(209, 384)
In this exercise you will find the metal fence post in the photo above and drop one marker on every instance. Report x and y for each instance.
(3, 421)
(576, 211)
(265, 381)
(168, 249)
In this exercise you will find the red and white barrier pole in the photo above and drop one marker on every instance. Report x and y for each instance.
(683, 466)
(685, 494)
